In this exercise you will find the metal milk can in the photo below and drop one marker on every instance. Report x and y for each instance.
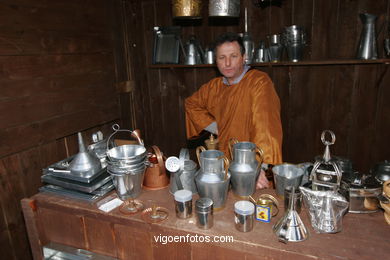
(213, 178)
(244, 167)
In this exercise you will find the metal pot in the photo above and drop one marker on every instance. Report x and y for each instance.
(362, 193)
(381, 171)
(227, 8)
(188, 9)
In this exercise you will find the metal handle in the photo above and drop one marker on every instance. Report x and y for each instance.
(227, 163)
(273, 199)
(198, 149)
(234, 141)
(136, 134)
(332, 135)
(160, 159)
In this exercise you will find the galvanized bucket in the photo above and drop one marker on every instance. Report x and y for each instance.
(227, 8)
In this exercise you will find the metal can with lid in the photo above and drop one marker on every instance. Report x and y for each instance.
(204, 213)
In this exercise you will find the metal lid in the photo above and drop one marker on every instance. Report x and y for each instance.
(244, 207)
(204, 205)
(183, 195)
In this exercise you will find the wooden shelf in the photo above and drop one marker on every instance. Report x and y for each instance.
(282, 63)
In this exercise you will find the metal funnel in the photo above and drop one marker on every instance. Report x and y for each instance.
(84, 162)
(290, 227)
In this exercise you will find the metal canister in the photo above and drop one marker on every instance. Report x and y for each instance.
(267, 207)
(227, 8)
(204, 213)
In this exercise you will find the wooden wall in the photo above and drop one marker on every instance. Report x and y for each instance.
(59, 66)
(349, 99)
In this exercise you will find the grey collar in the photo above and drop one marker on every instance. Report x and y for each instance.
(226, 82)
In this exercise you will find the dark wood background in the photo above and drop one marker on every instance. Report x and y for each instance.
(349, 99)
(69, 65)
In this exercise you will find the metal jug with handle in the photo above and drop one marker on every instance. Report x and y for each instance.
(194, 53)
(155, 175)
(244, 167)
(212, 179)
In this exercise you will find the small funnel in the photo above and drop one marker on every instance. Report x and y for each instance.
(84, 162)
(290, 227)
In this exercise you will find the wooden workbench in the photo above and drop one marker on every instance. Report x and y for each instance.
(52, 218)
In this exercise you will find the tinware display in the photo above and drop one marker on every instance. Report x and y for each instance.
(204, 213)
(84, 163)
(290, 227)
(275, 47)
(126, 165)
(187, 9)
(261, 53)
(381, 171)
(267, 206)
(209, 57)
(294, 39)
(326, 173)
(286, 175)
(248, 43)
(193, 52)
(226, 8)
(362, 192)
(212, 179)
(155, 175)
(244, 212)
(182, 172)
(367, 44)
(297, 198)
(244, 168)
(326, 209)
(183, 203)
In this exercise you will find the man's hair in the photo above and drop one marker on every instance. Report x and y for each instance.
(229, 37)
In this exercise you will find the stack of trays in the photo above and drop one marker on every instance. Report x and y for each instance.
(86, 186)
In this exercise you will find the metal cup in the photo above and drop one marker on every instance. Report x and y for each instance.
(183, 203)
(297, 199)
(244, 213)
(287, 175)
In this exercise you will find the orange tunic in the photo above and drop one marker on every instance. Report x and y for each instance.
(247, 111)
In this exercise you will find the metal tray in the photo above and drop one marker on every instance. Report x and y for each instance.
(166, 45)
(60, 169)
(76, 185)
(70, 193)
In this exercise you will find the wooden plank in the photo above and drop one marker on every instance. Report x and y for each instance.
(30, 218)
(130, 240)
(67, 229)
(12, 190)
(324, 29)
(28, 67)
(53, 128)
(380, 148)
(100, 237)
(364, 100)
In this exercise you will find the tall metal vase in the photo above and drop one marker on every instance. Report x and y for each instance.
(367, 45)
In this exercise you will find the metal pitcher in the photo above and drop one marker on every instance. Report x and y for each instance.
(194, 53)
(212, 179)
(367, 45)
(244, 167)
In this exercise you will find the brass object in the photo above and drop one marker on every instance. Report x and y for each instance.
(189, 9)
(154, 214)
(131, 206)
(211, 143)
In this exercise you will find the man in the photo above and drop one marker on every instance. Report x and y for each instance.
(242, 104)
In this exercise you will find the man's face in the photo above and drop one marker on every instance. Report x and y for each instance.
(230, 61)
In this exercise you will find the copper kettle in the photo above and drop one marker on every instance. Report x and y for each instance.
(155, 175)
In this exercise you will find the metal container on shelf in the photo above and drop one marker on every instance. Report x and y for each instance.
(226, 8)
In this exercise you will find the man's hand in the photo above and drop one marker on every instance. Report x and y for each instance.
(262, 181)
